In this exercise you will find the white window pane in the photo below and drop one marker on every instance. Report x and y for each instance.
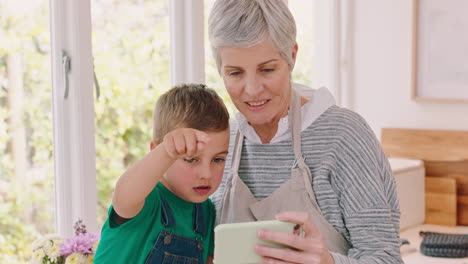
(26, 162)
(303, 12)
(213, 79)
(131, 56)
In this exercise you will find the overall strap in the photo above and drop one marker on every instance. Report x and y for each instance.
(199, 224)
(167, 217)
(168, 220)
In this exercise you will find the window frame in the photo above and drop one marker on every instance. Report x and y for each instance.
(187, 41)
(327, 48)
(73, 117)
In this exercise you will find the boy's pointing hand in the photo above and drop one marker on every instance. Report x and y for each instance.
(185, 142)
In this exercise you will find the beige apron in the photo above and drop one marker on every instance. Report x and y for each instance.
(296, 194)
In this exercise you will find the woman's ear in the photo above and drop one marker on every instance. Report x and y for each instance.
(294, 55)
(153, 144)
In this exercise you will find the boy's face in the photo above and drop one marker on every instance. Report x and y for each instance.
(195, 179)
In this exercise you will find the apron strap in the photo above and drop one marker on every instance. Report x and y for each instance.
(295, 126)
(236, 157)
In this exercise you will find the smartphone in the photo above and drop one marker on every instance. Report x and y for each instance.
(235, 243)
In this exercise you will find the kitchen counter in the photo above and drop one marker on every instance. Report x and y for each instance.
(410, 253)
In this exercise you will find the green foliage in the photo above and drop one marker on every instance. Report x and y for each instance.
(26, 207)
(131, 58)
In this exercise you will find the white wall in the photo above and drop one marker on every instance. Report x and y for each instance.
(382, 66)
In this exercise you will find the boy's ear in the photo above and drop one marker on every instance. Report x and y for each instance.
(153, 144)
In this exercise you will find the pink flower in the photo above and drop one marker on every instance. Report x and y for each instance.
(81, 243)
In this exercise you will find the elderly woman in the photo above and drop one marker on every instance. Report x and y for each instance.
(295, 155)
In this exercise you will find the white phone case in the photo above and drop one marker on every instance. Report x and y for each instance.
(235, 243)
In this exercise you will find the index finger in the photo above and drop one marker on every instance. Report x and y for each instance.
(301, 218)
(202, 136)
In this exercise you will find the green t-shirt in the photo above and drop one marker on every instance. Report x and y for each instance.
(132, 241)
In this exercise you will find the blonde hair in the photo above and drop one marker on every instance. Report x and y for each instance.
(245, 23)
(192, 106)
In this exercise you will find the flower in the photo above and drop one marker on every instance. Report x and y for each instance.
(37, 244)
(53, 251)
(79, 249)
(81, 243)
(46, 250)
(89, 259)
(75, 258)
(37, 256)
(79, 227)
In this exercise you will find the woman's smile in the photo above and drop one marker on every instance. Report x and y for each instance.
(257, 105)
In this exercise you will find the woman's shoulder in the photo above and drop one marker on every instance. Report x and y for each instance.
(322, 101)
(340, 114)
(342, 126)
(342, 120)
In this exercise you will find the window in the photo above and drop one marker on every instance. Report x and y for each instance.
(303, 12)
(131, 58)
(131, 50)
(213, 79)
(26, 163)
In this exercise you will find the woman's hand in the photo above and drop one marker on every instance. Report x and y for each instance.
(310, 248)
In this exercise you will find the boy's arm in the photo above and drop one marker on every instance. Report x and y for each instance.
(138, 181)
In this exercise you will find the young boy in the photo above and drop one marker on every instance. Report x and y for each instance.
(160, 210)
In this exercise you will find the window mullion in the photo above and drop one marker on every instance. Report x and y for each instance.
(73, 117)
(334, 48)
(187, 45)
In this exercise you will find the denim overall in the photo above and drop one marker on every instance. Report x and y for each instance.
(171, 248)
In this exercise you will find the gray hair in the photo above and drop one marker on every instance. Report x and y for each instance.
(245, 23)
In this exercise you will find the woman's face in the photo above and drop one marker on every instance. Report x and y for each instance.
(258, 81)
